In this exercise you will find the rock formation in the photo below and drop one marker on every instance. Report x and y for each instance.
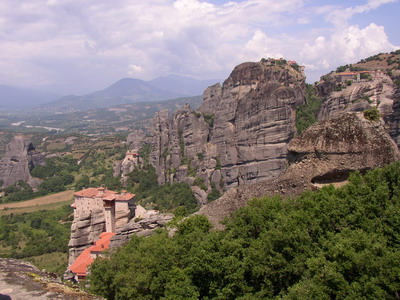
(19, 159)
(325, 153)
(21, 280)
(239, 135)
(372, 82)
(358, 96)
(85, 230)
(132, 159)
(143, 225)
(393, 119)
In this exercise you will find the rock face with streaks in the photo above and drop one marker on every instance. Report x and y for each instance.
(324, 154)
(132, 159)
(372, 82)
(144, 225)
(19, 160)
(239, 134)
(85, 230)
(393, 119)
(359, 96)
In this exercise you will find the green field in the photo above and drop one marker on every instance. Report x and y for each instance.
(49, 202)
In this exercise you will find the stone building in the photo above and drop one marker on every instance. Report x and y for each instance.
(110, 208)
(108, 201)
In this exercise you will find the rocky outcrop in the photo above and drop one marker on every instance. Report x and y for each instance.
(325, 153)
(132, 159)
(358, 96)
(143, 226)
(85, 230)
(135, 139)
(19, 159)
(239, 135)
(378, 89)
(22, 280)
(393, 119)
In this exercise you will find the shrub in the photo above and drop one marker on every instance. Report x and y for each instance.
(372, 114)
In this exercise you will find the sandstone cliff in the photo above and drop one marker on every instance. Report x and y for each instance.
(131, 161)
(379, 87)
(19, 159)
(239, 135)
(85, 230)
(325, 153)
(144, 225)
(358, 96)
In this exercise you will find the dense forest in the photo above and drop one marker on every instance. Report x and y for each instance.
(327, 244)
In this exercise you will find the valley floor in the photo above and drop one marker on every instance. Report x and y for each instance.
(53, 201)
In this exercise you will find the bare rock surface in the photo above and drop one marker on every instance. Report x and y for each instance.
(143, 226)
(85, 230)
(239, 135)
(381, 92)
(135, 139)
(325, 153)
(21, 280)
(19, 159)
(393, 119)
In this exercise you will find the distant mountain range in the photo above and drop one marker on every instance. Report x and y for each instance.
(129, 90)
(124, 91)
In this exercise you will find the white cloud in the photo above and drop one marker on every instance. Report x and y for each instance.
(339, 17)
(346, 46)
(85, 45)
(134, 69)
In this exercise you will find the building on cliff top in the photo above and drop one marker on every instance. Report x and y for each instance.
(86, 258)
(101, 198)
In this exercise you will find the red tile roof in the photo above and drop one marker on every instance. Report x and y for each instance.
(132, 153)
(93, 192)
(84, 260)
(347, 73)
(106, 194)
(124, 197)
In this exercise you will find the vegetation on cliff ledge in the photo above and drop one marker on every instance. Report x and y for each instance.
(306, 114)
(327, 244)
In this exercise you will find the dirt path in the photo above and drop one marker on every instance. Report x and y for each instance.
(54, 198)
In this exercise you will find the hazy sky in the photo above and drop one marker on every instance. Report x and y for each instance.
(79, 46)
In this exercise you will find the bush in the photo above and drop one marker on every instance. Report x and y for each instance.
(209, 120)
(372, 114)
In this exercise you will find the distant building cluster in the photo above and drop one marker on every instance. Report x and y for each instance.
(358, 75)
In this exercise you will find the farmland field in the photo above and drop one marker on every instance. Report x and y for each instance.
(48, 202)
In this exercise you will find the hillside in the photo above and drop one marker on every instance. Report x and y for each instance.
(130, 90)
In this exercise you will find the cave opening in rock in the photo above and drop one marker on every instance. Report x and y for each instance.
(335, 176)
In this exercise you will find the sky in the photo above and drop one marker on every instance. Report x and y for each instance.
(80, 46)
